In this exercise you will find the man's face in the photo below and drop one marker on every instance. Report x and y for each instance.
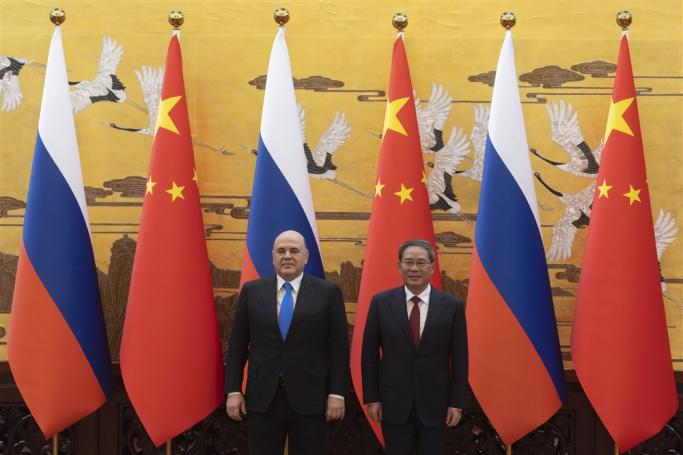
(289, 255)
(415, 268)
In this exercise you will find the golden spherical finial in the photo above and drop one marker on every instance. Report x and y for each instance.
(508, 20)
(400, 21)
(57, 16)
(281, 16)
(624, 19)
(176, 19)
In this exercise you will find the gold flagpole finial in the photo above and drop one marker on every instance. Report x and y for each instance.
(176, 19)
(400, 21)
(57, 16)
(624, 19)
(281, 16)
(508, 20)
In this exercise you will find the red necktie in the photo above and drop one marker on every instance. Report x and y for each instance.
(415, 320)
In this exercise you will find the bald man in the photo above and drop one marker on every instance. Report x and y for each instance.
(292, 328)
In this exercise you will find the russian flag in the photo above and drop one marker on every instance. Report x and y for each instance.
(281, 195)
(57, 344)
(515, 366)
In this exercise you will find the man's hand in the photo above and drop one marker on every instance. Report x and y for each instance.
(236, 407)
(334, 410)
(453, 417)
(375, 411)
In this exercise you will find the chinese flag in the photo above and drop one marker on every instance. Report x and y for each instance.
(400, 208)
(170, 352)
(620, 346)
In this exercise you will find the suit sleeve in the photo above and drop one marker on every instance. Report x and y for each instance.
(238, 349)
(459, 358)
(339, 344)
(370, 355)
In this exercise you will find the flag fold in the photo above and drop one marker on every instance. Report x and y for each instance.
(57, 344)
(515, 368)
(281, 197)
(170, 350)
(620, 345)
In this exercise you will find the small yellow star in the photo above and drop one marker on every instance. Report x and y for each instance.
(604, 189)
(615, 118)
(164, 119)
(176, 192)
(424, 177)
(391, 121)
(194, 176)
(632, 195)
(150, 186)
(404, 194)
(378, 188)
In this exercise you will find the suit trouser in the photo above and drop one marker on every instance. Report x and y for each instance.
(267, 431)
(413, 435)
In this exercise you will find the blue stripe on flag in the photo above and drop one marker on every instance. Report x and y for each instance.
(57, 242)
(275, 208)
(513, 256)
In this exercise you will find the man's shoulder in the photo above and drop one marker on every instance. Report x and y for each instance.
(316, 281)
(258, 282)
(446, 297)
(389, 294)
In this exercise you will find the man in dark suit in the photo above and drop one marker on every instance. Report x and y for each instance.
(292, 328)
(417, 386)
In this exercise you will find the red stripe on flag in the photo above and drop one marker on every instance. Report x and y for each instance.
(508, 369)
(248, 270)
(47, 362)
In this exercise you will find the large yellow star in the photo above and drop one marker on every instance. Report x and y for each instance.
(604, 189)
(632, 195)
(404, 194)
(391, 121)
(164, 119)
(615, 119)
(194, 176)
(378, 188)
(176, 192)
(150, 186)
(424, 177)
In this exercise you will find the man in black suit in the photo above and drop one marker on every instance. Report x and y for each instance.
(292, 328)
(417, 386)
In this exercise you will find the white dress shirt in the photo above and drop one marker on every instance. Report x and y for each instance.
(424, 304)
(296, 284)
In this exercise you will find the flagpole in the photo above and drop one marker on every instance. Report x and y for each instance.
(57, 17)
(508, 450)
(168, 447)
(281, 17)
(624, 19)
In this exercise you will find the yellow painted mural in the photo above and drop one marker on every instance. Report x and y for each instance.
(340, 50)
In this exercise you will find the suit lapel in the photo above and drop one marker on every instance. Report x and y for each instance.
(433, 314)
(270, 304)
(303, 301)
(398, 308)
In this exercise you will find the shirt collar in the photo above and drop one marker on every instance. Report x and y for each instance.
(296, 282)
(424, 295)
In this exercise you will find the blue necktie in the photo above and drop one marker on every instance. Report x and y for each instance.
(286, 310)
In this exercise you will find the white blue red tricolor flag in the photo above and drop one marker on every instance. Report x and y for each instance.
(515, 366)
(57, 344)
(281, 196)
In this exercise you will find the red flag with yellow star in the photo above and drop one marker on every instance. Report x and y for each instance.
(400, 207)
(170, 351)
(620, 345)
